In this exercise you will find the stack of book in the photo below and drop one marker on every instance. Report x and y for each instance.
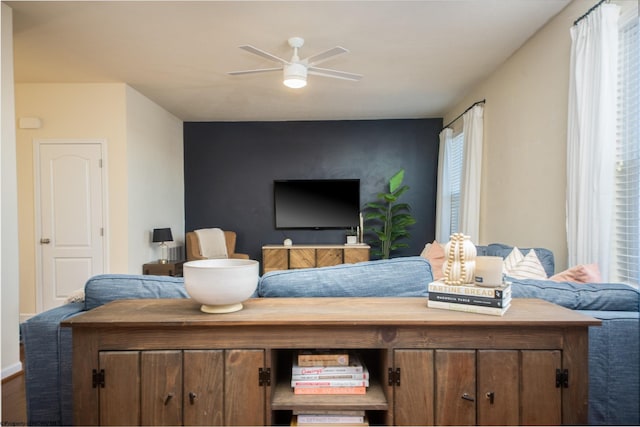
(335, 418)
(470, 298)
(320, 372)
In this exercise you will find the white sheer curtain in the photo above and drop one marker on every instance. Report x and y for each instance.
(591, 138)
(472, 129)
(443, 195)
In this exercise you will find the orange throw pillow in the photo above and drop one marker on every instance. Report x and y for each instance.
(584, 273)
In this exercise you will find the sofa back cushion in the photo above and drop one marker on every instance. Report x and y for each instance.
(580, 296)
(396, 277)
(104, 288)
(498, 249)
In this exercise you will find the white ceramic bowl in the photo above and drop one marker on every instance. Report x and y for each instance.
(221, 285)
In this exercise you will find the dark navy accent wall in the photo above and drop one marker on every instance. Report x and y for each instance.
(229, 168)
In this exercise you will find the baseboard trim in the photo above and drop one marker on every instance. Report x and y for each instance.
(11, 371)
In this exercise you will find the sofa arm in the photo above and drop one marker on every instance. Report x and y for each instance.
(47, 350)
(614, 368)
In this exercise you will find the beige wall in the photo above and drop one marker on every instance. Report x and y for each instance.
(9, 272)
(72, 111)
(144, 163)
(525, 132)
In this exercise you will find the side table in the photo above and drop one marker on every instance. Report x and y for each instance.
(170, 268)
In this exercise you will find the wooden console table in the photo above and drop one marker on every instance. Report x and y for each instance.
(162, 361)
(281, 257)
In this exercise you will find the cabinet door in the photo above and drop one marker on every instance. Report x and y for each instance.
(455, 389)
(541, 399)
(161, 387)
(275, 259)
(413, 398)
(353, 255)
(326, 257)
(244, 398)
(120, 397)
(302, 258)
(498, 387)
(203, 387)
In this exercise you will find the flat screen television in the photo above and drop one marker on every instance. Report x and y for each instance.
(317, 203)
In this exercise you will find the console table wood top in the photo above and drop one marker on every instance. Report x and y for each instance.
(159, 313)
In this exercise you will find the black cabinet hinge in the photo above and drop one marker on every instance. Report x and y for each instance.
(394, 376)
(264, 377)
(562, 378)
(97, 378)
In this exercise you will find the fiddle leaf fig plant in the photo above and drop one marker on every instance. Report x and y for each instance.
(387, 219)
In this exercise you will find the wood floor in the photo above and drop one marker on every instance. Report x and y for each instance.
(14, 403)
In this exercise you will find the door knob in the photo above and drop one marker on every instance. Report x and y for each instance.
(466, 396)
(168, 398)
(490, 395)
(45, 241)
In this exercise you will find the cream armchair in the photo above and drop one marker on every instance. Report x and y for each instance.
(193, 246)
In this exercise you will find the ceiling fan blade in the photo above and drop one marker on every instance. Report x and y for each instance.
(323, 56)
(264, 54)
(325, 72)
(258, 70)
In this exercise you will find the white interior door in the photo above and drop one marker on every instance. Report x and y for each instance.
(71, 227)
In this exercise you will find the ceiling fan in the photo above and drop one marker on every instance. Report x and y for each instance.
(296, 69)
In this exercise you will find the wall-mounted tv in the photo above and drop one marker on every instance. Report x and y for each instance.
(317, 203)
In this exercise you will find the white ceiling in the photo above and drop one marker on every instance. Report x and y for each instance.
(418, 58)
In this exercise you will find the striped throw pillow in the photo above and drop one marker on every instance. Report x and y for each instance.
(529, 268)
(512, 260)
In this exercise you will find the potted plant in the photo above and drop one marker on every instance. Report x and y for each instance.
(352, 236)
(388, 218)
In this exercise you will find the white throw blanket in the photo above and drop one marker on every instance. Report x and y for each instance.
(212, 243)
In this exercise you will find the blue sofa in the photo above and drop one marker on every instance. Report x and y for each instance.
(614, 349)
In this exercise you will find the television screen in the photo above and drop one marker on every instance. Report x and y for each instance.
(317, 203)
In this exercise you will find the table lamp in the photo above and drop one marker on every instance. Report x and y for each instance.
(162, 235)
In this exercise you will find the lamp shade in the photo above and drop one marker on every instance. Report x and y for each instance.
(162, 235)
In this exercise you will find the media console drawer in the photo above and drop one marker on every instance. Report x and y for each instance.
(281, 257)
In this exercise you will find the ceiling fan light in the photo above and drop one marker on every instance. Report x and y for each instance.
(295, 83)
(295, 76)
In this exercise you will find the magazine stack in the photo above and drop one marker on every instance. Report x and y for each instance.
(471, 298)
(329, 373)
(335, 418)
(315, 372)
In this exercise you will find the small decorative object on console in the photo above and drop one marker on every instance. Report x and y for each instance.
(489, 271)
(221, 285)
(460, 262)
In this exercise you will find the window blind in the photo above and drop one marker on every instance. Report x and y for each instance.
(455, 179)
(627, 192)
